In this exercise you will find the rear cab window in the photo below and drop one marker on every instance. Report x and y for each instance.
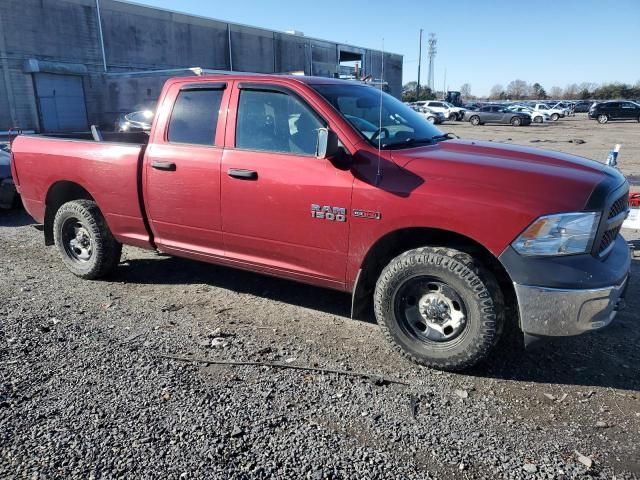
(194, 118)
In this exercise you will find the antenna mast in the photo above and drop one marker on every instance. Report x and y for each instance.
(419, 64)
(379, 172)
(432, 42)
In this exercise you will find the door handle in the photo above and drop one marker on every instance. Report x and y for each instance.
(241, 174)
(169, 166)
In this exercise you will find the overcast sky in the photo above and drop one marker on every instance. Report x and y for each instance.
(553, 42)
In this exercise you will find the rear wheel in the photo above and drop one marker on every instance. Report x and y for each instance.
(603, 118)
(555, 117)
(516, 121)
(439, 307)
(475, 120)
(85, 243)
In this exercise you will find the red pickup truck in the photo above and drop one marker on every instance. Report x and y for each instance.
(339, 185)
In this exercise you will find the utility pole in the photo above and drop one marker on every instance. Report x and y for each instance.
(444, 84)
(432, 55)
(419, 63)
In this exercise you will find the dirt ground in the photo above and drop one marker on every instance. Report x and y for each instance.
(87, 390)
(562, 135)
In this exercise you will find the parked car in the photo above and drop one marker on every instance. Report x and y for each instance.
(452, 241)
(139, 121)
(583, 106)
(458, 111)
(430, 115)
(8, 194)
(616, 110)
(554, 113)
(438, 106)
(497, 114)
(536, 116)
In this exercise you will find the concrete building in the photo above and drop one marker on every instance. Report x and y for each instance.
(67, 64)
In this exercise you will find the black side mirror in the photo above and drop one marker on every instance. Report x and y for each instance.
(327, 146)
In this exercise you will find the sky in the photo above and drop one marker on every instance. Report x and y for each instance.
(483, 43)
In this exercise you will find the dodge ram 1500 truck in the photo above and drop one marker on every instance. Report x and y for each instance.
(339, 185)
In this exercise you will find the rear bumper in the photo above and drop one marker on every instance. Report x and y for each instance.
(559, 312)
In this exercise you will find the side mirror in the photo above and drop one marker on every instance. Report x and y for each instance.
(327, 146)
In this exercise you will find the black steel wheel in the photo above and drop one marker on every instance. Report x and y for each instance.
(85, 243)
(439, 307)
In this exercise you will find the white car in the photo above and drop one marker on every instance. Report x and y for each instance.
(438, 106)
(459, 111)
(537, 116)
(554, 113)
(428, 114)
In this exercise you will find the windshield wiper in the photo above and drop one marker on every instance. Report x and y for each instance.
(445, 136)
(409, 142)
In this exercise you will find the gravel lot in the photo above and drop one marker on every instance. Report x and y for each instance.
(86, 392)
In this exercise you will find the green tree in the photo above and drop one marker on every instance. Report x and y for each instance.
(409, 92)
(538, 92)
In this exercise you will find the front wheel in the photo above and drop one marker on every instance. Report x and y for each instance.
(538, 119)
(431, 119)
(602, 119)
(475, 120)
(555, 117)
(439, 307)
(85, 243)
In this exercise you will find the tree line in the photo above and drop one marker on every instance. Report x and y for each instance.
(521, 90)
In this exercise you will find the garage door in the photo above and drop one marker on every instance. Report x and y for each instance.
(61, 102)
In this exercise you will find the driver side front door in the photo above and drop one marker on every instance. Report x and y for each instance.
(284, 211)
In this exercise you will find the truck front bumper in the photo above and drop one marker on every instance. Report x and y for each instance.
(562, 312)
(568, 295)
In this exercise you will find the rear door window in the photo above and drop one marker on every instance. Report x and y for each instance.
(195, 117)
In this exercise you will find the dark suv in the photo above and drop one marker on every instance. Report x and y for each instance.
(618, 110)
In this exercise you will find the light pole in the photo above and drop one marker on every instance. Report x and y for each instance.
(419, 64)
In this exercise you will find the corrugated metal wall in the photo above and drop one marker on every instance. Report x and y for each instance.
(140, 38)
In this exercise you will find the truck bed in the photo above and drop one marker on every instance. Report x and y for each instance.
(109, 171)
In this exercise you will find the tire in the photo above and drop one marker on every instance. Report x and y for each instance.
(85, 243)
(475, 120)
(555, 117)
(516, 121)
(603, 118)
(448, 281)
(538, 119)
(431, 119)
(453, 117)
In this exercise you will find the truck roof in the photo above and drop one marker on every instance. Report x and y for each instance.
(218, 77)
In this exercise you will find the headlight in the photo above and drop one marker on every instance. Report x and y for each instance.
(561, 234)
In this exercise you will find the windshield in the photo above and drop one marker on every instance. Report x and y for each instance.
(379, 118)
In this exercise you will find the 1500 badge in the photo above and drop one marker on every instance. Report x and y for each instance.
(326, 212)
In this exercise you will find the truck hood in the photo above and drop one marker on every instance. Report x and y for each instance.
(530, 178)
